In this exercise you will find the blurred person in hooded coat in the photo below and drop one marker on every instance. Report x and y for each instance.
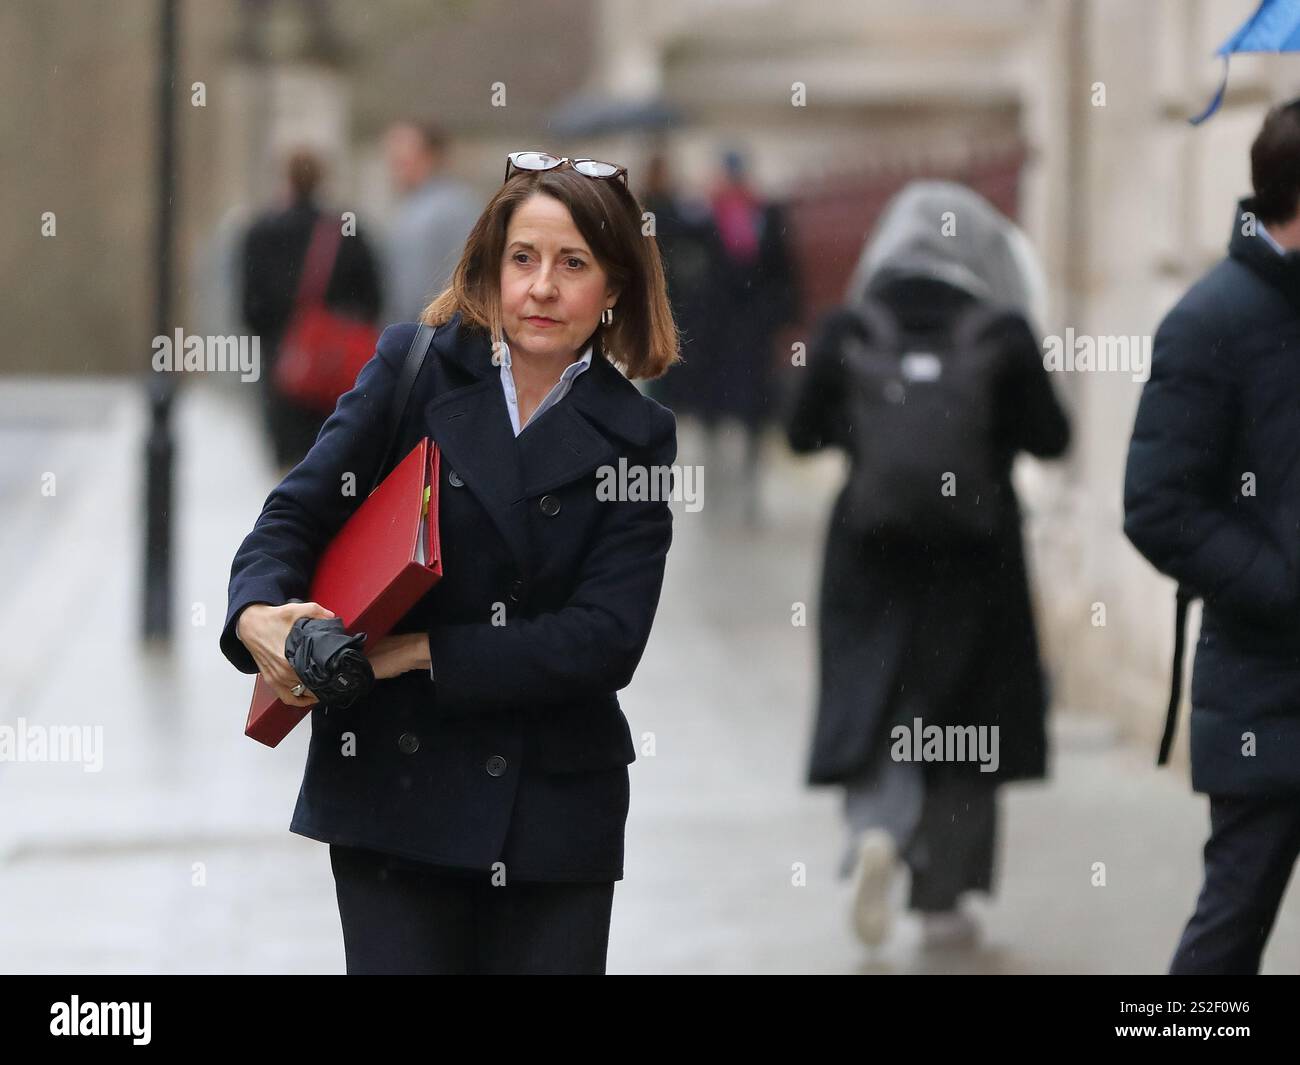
(916, 632)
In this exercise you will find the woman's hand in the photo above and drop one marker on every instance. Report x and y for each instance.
(263, 628)
(393, 655)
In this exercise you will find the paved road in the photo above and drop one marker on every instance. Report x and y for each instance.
(175, 856)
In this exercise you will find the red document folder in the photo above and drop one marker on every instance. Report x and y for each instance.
(381, 563)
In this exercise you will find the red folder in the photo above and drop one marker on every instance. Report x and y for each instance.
(381, 563)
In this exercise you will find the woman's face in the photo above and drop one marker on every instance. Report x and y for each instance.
(552, 288)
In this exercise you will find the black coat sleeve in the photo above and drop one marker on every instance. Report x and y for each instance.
(819, 413)
(1177, 508)
(276, 561)
(1031, 417)
(592, 645)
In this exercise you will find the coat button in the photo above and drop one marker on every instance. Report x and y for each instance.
(550, 506)
(454, 479)
(516, 589)
(408, 743)
(496, 766)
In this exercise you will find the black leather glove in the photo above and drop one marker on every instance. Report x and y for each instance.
(329, 661)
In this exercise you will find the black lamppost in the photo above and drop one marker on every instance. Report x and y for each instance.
(160, 447)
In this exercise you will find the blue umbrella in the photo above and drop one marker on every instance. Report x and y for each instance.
(1274, 27)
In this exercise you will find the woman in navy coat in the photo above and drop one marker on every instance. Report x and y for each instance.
(475, 800)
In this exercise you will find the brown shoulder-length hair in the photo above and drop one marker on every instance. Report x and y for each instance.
(642, 340)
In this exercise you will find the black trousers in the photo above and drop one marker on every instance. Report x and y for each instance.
(955, 845)
(401, 917)
(1253, 844)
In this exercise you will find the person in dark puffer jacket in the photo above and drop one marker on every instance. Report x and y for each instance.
(1212, 499)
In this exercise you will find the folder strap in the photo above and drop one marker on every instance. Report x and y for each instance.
(402, 394)
(1176, 682)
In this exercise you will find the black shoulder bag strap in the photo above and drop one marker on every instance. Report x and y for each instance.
(402, 394)
(1176, 681)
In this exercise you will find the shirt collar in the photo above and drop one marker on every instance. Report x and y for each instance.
(571, 371)
(610, 400)
(1269, 238)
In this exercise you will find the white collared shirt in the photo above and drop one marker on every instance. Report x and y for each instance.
(553, 397)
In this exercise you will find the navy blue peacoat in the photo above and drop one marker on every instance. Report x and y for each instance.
(517, 750)
(1212, 498)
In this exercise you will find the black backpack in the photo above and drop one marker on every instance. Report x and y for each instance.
(921, 415)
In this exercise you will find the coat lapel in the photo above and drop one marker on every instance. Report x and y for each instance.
(471, 425)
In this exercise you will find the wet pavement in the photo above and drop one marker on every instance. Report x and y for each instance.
(175, 856)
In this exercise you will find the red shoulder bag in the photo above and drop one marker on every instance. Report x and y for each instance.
(322, 351)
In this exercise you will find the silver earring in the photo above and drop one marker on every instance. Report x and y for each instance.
(607, 316)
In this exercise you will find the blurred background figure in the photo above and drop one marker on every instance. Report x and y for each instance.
(756, 296)
(434, 215)
(923, 623)
(692, 255)
(275, 252)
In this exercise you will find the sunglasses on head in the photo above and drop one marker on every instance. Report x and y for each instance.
(592, 168)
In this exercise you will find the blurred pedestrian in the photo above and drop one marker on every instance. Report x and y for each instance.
(692, 256)
(274, 254)
(756, 297)
(434, 215)
(1211, 498)
(931, 380)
